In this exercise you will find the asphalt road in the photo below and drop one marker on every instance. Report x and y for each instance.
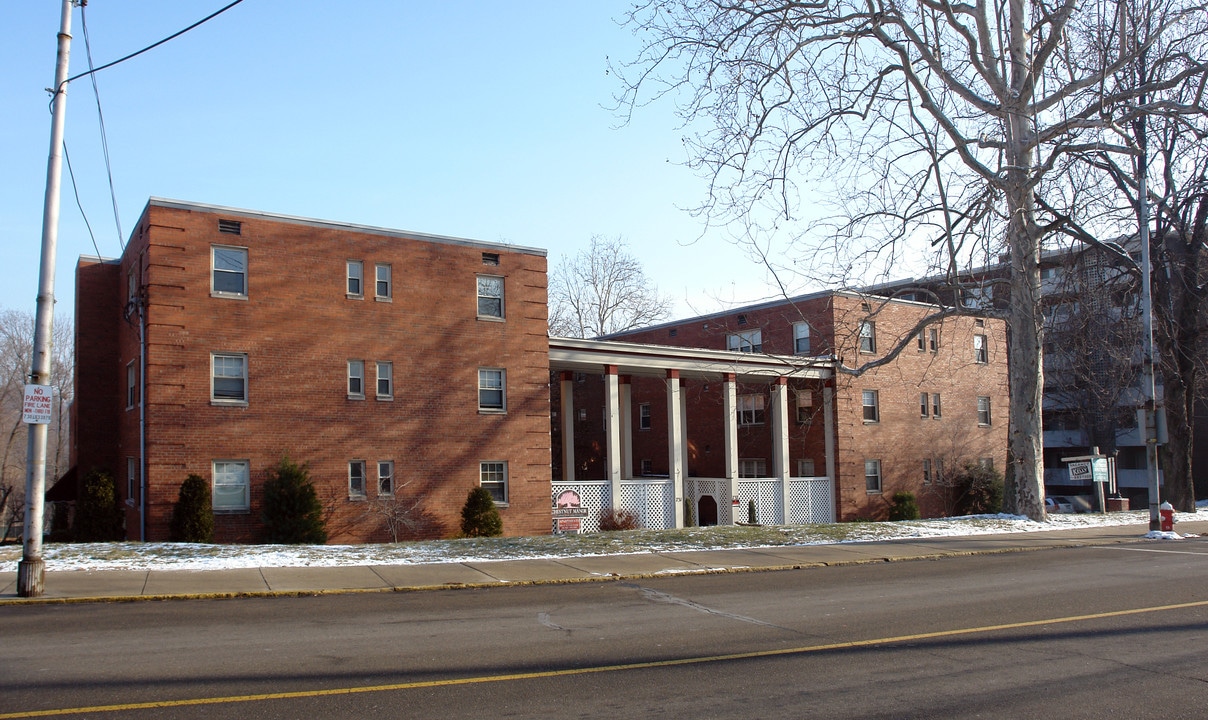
(1095, 632)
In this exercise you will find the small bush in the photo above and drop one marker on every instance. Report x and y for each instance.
(903, 507)
(98, 516)
(980, 489)
(479, 516)
(193, 513)
(752, 514)
(617, 519)
(292, 513)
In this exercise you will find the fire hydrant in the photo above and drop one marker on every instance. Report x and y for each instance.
(1166, 511)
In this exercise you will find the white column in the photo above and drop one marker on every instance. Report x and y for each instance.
(626, 429)
(828, 425)
(675, 453)
(780, 441)
(729, 393)
(568, 425)
(612, 431)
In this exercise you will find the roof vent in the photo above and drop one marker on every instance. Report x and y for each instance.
(230, 227)
(490, 258)
(742, 319)
(673, 332)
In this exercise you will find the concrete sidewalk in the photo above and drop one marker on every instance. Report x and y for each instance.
(127, 585)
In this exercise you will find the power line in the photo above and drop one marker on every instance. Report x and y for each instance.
(96, 92)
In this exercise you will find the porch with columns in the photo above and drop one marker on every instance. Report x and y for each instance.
(659, 502)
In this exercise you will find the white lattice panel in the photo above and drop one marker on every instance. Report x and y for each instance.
(652, 502)
(811, 501)
(768, 503)
(719, 489)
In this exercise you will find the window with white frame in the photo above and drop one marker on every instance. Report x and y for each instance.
(805, 467)
(382, 289)
(981, 352)
(868, 337)
(230, 491)
(356, 278)
(801, 338)
(927, 478)
(935, 405)
(228, 275)
(490, 296)
(644, 416)
(356, 379)
(750, 341)
(750, 410)
(356, 479)
(752, 468)
(872, 476)
(228, 378)
(805, 406)
(385, 477)
(647, 466)
(491, 395)
(983, 411)
(872, 411)
(131, 384)
(385, 380)
(493, 476)
(933, 339)
(921, 340)
(924, 407)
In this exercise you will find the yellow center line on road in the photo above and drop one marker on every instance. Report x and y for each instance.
(453, 682)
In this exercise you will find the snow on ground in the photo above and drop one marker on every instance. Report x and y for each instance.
(186, 556)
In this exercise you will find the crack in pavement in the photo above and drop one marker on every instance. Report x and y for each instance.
(659, 596)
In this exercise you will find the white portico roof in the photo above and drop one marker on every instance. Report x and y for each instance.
(655, 360)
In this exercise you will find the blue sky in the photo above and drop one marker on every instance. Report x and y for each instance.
(481, 120)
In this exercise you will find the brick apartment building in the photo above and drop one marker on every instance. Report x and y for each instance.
(942, 401)
(398, 366)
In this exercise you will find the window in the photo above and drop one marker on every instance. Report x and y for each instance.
(647, 466)
(750, 410)
(752, 468)
(493, 476)
(872, 413)
(981, 353)
(228, 381)
(356, 278)
(229, 276)
(933, 339)
(872, 476)
(230, 492)
(868, 337)
(490, 296)
(748, 342)
(921, 339)
(385, 381)
(131, 385)
(356, 378)
(935, 405)
(805, 406)
(356, 479)
(924, 406)
(381, 289)
(927, 471)
(805, 467)
(491, 390)
(801, 338)
(983, 411)
(386, 477)
(644, 416)
(132, 284)
(131, 477)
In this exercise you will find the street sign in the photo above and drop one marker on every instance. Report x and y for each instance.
(36, 409)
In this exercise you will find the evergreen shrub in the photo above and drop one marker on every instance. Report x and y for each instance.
(479, 516)
(193, 513)
(903, 506)
(291, 511)
(98, 516)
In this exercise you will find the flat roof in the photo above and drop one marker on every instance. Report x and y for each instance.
(333, 225)
(654, 360)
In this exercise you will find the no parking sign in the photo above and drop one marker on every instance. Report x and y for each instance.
(37, 405)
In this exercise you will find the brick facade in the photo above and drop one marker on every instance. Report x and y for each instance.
(296, 328)
(901, 437)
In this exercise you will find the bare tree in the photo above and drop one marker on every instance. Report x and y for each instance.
(603, 290)
(939, 120)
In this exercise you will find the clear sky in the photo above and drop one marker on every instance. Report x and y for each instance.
(483, 120)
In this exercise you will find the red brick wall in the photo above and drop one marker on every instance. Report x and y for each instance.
(299, 330)
(99, 383)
